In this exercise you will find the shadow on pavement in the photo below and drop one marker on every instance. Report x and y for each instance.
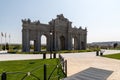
(91, 74)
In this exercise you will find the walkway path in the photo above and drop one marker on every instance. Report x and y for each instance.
(7, 57)
(82, 61)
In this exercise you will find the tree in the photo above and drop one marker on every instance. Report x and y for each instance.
(3, 47)
(7, 46)
(115, 45)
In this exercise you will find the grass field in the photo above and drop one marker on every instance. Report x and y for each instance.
(16, 70)
(114, 56)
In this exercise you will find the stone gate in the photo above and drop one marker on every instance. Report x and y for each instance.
(59, 35)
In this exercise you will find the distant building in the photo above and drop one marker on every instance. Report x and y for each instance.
(59, 34)
(109, 43)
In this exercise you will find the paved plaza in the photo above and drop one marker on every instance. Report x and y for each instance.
(79, 63)
(82, 61)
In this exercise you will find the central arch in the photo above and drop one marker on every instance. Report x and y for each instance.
(62, 43)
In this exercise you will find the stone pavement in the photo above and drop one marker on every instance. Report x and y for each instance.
(80, 62)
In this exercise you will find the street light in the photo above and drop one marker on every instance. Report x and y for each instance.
(50, 33)
(54, 54)
(50, 45)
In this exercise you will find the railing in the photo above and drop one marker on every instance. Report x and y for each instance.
(5, 74)
(22, 75)
(62, 66)
(54, 74)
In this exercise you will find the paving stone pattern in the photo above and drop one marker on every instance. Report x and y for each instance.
(91, 74)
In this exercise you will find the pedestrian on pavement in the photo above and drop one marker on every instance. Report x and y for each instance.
(101, 52)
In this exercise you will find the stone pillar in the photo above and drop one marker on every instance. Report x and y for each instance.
(69, 41)
(40, 42)
(59, 42)
(37, 42)
(85, 40)
(54, 40)
(79, 41)
(57, 37)
(66, 42)
(25, 40)
(47, 43)
(76, 43)
(35, 45)
(51, 42)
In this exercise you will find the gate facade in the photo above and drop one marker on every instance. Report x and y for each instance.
(59, 35)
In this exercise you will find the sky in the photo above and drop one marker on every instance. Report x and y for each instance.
(101, 17)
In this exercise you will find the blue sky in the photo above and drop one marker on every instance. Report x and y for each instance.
(101, 17)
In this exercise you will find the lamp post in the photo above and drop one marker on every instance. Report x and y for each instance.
(54, 54)
(50, 45)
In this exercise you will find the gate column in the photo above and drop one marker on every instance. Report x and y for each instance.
(38, 42)
(25, 40)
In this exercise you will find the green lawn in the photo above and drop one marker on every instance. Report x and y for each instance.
(35, 67)
(114, 56)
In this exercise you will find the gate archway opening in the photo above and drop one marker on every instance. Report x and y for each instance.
(82, 45)
(62, 43)
(32, 45)
(43, 43)
(74, 43)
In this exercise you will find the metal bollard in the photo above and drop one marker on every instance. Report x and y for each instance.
(66, 67)
(97, 53)
(101, 54)
(45, 72)
(50, 55)
(54, 55)
(44, 55)
(4, 76)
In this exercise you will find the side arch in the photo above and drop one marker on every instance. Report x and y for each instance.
(47, 42)
(75, 43)
(62, 43)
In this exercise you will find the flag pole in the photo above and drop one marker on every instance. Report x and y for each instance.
(5, 41)
(9, 38)
(1, 43)
(9, 41)
(1, 39)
